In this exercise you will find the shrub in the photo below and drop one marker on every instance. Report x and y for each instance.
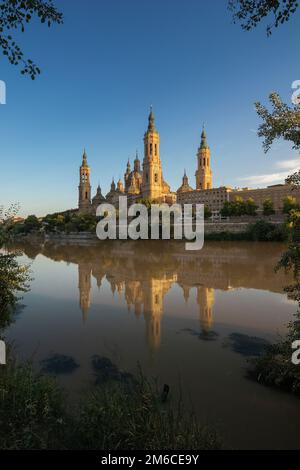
(289, 203)
(250, 207)
(32, 414)
(207, 212)
(268, 207)
(265, 231)
(13, 279)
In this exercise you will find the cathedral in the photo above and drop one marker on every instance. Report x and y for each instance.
(146, 182)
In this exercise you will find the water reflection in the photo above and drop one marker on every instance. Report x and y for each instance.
(142, 273)
(193, 318)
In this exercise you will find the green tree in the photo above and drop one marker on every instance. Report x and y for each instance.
(268, 207)
(239, 206)
(251, 12)
(289, 203)
(13, 277)
(226, 210)
(282, 122)
(7, 222)
(250, 207)
(263, 231)
(207, 212)
(31, 224)
(15, 15)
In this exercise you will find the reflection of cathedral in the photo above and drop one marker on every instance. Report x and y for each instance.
(205, 300)
(85, 287)
(145, 297)
(142, 273)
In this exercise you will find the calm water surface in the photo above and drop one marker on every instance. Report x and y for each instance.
(188, 318)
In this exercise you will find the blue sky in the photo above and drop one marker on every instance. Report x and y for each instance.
(103, 68)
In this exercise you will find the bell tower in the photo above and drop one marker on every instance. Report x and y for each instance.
(152, 184)
(84, 187)
(203, 173)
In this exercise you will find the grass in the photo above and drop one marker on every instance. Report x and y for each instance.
(32, 409)
(131, 414)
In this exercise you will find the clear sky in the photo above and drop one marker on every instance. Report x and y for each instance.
(103, 68)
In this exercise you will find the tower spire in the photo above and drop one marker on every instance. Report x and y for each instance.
(151, 125)
(84, 187)
(84, 157)
(153, 183)
(204, 172)
(204, 144)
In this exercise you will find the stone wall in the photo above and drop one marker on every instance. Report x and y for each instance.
(209, 227)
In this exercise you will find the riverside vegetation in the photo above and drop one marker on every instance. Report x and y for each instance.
(275, 367)
(258, 228)
(131, 414)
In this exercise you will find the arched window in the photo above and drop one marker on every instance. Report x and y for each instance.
(150, 149)
(156, 178)
(155, 149)
(86, 195)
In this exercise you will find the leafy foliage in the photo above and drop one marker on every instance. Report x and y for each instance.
(275, 367)
(14, 15)
(266, 231)
(14, 278)
(207, 212)
(289, 203)
(239, 207)
(268, 207)
(32, 414)
(250, 12)
(69, 222)
(7, 221)
(290, 260)
(282, 122)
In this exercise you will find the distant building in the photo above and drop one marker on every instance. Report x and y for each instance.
(277, 193)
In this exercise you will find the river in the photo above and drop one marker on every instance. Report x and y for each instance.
(188, 319)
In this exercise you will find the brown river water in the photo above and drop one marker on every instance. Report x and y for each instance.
(188, 319)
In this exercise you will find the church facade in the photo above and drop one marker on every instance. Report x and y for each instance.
(144, 181)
